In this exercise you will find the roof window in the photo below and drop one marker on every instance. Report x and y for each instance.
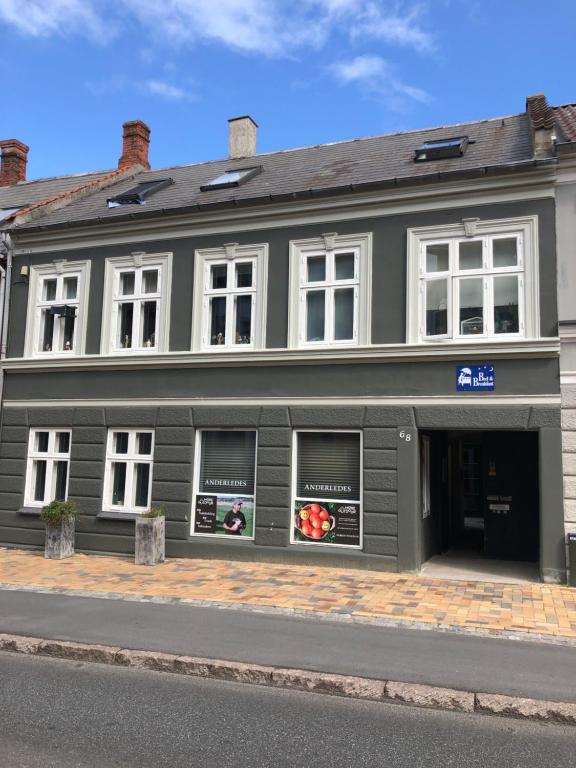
(137, 195)
(441, 149)
(6, 212)
(233, 178)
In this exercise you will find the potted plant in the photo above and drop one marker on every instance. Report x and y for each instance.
(58, 517)
(150, 542)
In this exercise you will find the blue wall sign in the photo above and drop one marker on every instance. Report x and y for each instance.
(475, 377)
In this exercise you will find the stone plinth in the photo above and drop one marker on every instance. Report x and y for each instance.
(59, 542)
(150, 540)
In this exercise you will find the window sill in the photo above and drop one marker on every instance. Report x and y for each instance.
(32, 511)
(105, 515)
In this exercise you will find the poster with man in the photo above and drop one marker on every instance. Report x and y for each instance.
(224, 515)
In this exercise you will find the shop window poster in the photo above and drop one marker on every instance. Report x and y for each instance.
(327, 522)
(220, 515)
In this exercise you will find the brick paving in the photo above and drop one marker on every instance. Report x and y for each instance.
(539, 609)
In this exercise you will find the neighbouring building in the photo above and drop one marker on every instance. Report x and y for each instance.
(344, 354)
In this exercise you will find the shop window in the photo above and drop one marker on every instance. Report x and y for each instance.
(225, 483)
(128, 474)
(48, 466)
(56, 309)
(328, 493)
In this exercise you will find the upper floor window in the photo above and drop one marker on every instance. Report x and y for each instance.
(57, 308)
(330, 290)
(230, 298)
(471, 281)
(136, 306)
(47, 470)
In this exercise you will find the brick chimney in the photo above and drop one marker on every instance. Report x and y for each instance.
(242, 137)
(541, 117)
(12, 162)
(135, 145)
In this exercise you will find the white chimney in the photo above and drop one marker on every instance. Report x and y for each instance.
(242, 137)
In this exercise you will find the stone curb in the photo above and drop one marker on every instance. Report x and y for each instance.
(349, 686)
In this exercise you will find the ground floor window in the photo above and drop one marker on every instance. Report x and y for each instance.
(128, 474)
(224, 483)
(47, 470)
(327, 489)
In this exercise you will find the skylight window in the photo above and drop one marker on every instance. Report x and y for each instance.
(232, 178)
(441, 149)
(5, 212)
(137, 195)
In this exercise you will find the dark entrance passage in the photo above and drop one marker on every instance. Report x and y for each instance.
(480, 494)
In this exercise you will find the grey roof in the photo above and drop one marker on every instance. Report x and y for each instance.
(324, 169)
(28, 193)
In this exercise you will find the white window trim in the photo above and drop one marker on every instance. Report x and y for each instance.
(55, 269)
(203, 258)
(325, 244)
(295, 498)
(131, 458)
(196, 482)
(50, 456)
(529, 309)
(134, 261)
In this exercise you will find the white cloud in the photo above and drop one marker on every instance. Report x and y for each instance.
(378, 77)
(405, 29)
(41, 18)
(165, 90)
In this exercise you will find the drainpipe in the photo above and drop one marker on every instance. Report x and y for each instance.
(7, 248)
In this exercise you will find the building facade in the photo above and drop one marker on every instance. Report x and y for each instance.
(345, 354)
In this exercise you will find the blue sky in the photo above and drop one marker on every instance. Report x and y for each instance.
(308, 71)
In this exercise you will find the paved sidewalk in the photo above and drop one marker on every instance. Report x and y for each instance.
(533, 610)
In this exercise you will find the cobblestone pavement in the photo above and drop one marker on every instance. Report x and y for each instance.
(536, 609)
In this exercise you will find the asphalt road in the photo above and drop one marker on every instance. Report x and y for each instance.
(468, 662)
(62, 714)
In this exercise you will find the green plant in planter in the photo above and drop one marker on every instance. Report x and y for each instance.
(57, 512)
(154, 512)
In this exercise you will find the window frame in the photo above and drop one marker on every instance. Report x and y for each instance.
(57, 270)
(294, 489)
(51, 456)
(137, 262)
(131, 458)
(196, 482)
(230, 254)
(525, 229)
(329, 246)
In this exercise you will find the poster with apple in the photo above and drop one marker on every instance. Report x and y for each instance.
(327, 522)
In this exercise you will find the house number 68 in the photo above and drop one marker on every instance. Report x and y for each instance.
(407, 436)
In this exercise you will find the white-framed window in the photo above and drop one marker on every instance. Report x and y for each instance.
(224, 483)
(137, 304)
(327, 488)
(128, 473)
(57, 309)
(48, 466)
(230, 298)
(473, 281)
(330, 289)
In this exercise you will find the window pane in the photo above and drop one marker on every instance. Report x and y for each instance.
(120, 442)
(49, 292)
(41, 442)
(218, 320)
(227, 462)
(39, 480)
(436, 307)
(62, 442)
(142, 484)
(437, 257)
(244, 275)
(316, 269)
(506, 304)
(471, 306)
(328, 466)
(148, 324)
(126, 322)
(144, 443)
(470, 254)
(118, 482)
(150, 281)
(67, 337)
(127, 282)
(70, 287)
(344, 314)
(505, 252)
(315, 315)
(219, 275)
(61, 476)
(243, 319)
(344, 266)
(48, 331)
